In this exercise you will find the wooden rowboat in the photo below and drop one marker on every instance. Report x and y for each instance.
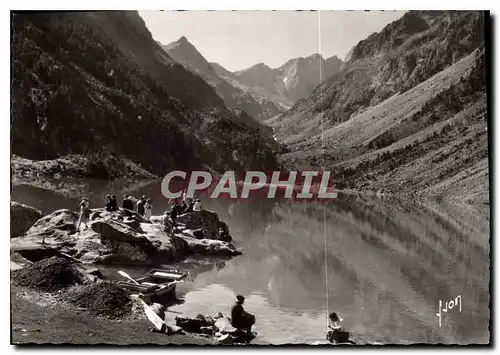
(157, 283)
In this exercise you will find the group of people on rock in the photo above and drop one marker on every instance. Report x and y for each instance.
(142, 206)
(186, 205)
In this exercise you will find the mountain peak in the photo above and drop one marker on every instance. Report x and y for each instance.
(186, 54)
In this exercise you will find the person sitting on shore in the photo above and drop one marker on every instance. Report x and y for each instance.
(334, 328)
(240, 319)
(197, 205)
(127, 203)
(141, 206)
(334, 321)
(148, 209)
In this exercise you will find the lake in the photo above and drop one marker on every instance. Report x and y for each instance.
(387, 264)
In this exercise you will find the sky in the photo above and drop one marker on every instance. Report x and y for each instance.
(240, 39)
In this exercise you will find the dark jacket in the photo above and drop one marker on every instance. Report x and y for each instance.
(176, 210)
(114, 204)
(189, 208)
(140, 207)
(240, 318)
(128, 204)
(109, 206)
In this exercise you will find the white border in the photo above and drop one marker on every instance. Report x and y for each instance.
(191, 5)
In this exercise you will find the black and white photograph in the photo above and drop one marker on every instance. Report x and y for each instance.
(251, 178)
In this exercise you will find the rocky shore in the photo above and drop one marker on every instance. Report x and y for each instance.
(120, 238)
(52, 262)
(78, 166)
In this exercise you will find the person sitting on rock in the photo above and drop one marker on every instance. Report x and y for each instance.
(197, 205)
(84, 215)
(109, 203)
(240, 319)
(183, 207)
(174, 212)
(114, 203)
(169, 227)
(141, 204)
(334, 327)
(224, 235)
(148, 209)
(334, 321)
(127, 203)
(190, 205)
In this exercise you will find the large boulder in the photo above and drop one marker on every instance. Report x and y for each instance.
(57, 229)
(22, 217)
(92, 247)
(206, 220)
(210, 247)
(117, 231)
(167, 248)
(110, 239)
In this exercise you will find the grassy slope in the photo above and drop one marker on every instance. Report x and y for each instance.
(402, 144)
(57, 325)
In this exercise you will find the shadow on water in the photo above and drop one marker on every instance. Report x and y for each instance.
(389, 263)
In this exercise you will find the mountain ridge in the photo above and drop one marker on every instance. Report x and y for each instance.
(97, 83)
(374, 118)
(234, 96)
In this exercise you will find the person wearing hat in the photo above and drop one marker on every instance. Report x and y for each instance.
(240, 319)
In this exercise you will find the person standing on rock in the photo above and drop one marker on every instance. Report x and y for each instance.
(240, 319)
(148, 209)
(83, 216)
(197, 205)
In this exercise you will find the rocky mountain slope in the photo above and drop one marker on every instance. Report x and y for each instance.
(234, 95)
(292, 81)
(92, 82)
(406, 113)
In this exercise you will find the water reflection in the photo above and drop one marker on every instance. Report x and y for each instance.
(388, 262)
